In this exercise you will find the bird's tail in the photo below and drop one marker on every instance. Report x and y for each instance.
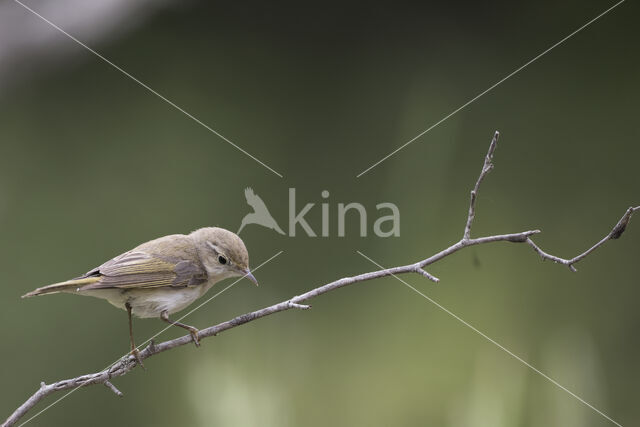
(57, 287)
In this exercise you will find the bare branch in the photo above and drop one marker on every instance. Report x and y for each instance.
(127, 363)
(615, 233)
(486, 168)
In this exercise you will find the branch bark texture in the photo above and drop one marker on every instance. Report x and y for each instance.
(127, 363)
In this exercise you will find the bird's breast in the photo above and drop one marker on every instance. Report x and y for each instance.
(152, 302)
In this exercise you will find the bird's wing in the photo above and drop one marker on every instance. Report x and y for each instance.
(157, 266)
(255, 201)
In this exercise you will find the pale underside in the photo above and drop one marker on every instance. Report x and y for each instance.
(149, 302)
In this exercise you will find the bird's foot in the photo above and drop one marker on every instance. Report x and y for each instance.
(194, 335)
(136, 354)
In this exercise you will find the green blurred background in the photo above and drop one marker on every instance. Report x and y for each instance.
(91, 164)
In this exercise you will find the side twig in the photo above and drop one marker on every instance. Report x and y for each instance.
(127, 363)
(615, 233)
(486, 168)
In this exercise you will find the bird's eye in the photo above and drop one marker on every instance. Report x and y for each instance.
(222, 260)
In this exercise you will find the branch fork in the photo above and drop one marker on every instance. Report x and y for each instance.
(615, 233)
(292, 304)
(127, 363)
(425, 273)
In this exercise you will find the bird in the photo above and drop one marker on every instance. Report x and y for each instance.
(260, 214)
(162, 276)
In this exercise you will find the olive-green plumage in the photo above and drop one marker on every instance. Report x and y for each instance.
(163, 276)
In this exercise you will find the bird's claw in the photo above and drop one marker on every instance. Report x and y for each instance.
(136, 354)
(194, 336)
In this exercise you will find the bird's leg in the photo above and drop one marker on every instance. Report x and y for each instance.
(134, 349)
(193, 331)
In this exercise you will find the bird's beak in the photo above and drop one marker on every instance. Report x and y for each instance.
(248, 275)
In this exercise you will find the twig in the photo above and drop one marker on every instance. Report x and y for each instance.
(127, 363)
(486, 168)
(615, 233)
(113, 388)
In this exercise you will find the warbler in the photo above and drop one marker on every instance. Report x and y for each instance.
(162, 276)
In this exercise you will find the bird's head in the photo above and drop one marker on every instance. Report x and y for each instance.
(222, 253)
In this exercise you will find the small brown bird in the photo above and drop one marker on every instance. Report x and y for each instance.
(163, 276)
